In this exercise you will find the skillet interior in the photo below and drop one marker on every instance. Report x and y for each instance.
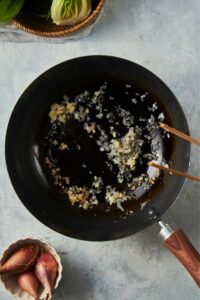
(25, 147)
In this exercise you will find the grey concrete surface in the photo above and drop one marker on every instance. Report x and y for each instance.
(164, 37)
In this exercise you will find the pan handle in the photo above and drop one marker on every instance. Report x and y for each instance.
(177, 242)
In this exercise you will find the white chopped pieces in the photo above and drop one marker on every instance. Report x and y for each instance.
(63, 146)
(168, 135)
(114, 197)
(86, 93)
(81, 113)
(115, 134)
(97, 184)
(134, 101)
(161, 117)
(55, 142)
(79, 195)
(142, 97)
(154, 107)
(99, 116)
(90, 127)
(61, 112)
(84, 197)
(125, 151)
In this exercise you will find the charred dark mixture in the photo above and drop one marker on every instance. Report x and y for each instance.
(115, 139)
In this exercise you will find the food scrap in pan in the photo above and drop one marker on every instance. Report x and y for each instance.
(116, 134)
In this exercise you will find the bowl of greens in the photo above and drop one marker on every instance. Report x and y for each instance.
(51, 18)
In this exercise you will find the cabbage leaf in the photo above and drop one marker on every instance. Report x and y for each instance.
(70, 12)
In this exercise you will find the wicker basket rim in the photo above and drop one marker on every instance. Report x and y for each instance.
(69, 30)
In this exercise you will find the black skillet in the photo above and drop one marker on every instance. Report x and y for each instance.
(25, 149)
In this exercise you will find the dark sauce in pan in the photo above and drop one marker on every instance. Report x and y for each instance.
(72, 162)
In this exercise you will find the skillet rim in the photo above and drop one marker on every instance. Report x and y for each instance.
(43, 219)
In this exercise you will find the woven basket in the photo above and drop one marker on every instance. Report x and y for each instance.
(29, 20)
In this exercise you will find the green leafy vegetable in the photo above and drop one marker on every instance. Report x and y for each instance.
(9, 9)
(69, 12)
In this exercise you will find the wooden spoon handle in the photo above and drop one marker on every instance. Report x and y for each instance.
(178, 243)
(173, 171)
(180, 134)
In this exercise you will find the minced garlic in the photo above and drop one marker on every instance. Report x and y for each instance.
(123, 151)
(61, 112)
(63, 146)
(115, 197)
(78, 194)
(90, 127)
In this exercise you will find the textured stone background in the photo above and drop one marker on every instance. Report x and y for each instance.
(164, 37)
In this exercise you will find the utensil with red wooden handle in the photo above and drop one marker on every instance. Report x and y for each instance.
(176, 241)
